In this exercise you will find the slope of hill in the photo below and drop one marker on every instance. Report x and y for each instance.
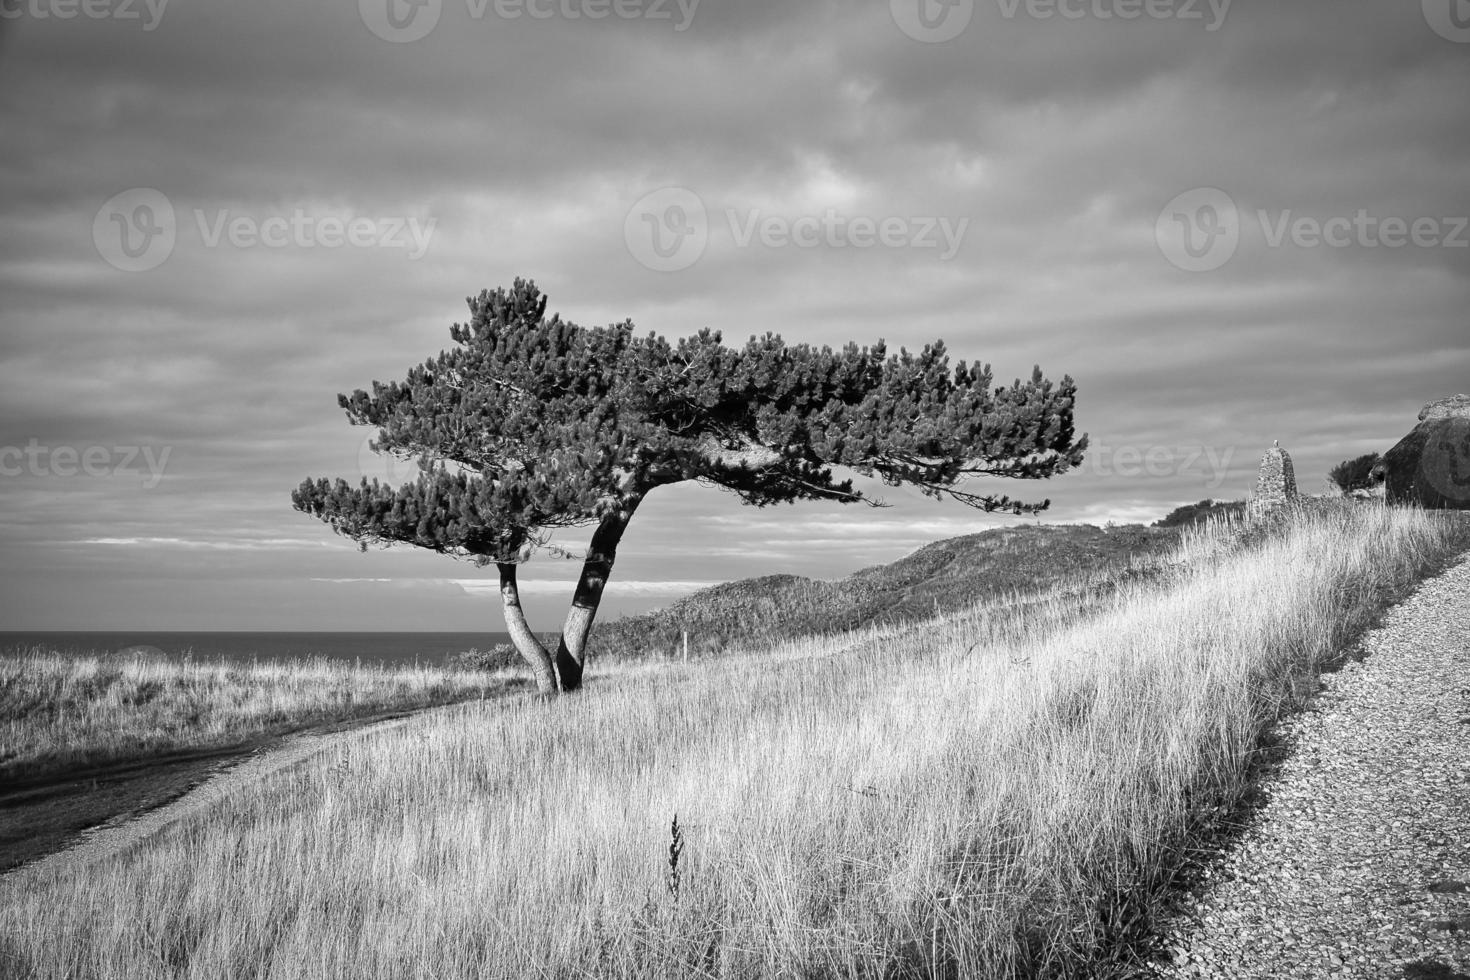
(938, 578)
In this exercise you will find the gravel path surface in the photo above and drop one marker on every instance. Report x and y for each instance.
(1359, 863)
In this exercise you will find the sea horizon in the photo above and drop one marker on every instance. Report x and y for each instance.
(386, 647)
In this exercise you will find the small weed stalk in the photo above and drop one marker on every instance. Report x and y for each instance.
(676, 848)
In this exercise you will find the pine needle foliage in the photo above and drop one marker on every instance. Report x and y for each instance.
(531, 423)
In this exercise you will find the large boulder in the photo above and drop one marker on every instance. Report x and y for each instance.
(1431, 465)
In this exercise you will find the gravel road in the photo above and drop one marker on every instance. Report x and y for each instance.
(1358, 864)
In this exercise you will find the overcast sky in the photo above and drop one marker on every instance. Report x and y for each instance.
(1231, 223)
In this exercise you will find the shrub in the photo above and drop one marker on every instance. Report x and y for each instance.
(1194, 513)
(498, 657)
(1353, 474)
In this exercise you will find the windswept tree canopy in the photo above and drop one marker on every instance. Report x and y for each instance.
(530, 423)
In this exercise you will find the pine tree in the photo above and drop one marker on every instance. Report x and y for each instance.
(532, 423)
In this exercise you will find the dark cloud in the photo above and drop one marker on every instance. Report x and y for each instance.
(519, 145)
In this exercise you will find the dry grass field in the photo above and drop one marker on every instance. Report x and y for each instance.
(984, 795)
(60, 713)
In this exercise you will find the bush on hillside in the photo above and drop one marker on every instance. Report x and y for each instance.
(498, 657)
(1194, 513)
(1353, 474)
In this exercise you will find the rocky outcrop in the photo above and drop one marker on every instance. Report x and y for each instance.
(1431, 465)
(1453, 407)
(1275, 482)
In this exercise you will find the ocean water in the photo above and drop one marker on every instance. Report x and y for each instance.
(387, 649)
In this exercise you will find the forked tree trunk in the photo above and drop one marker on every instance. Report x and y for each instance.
(571, 652)
(530, 648)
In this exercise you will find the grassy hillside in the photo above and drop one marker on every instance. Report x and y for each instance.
(953, 799)
(63, 713)
(939, 578)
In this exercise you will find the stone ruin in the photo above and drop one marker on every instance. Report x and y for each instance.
(1275, 483)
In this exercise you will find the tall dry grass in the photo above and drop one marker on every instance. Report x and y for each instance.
(985, 797)
(62, 712)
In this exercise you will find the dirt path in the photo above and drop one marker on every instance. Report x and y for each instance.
(80, 818)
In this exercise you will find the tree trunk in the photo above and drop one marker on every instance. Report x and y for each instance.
(530, 648)
(571, 653)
